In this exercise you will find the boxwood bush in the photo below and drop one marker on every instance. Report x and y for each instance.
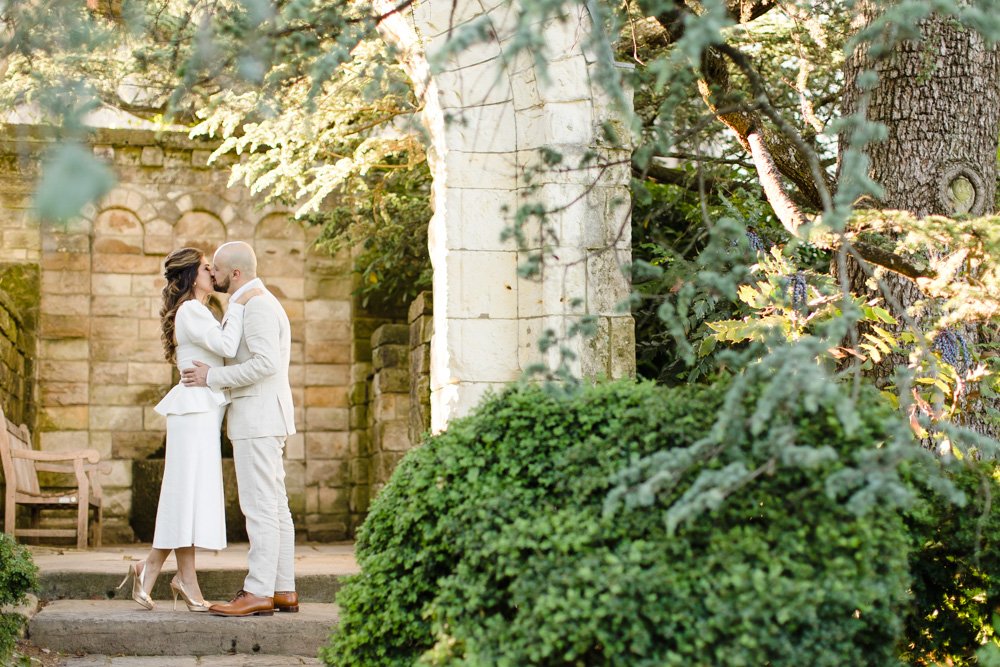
(491, 546)
(18, 575)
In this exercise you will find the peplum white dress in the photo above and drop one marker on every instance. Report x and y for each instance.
(191, 510)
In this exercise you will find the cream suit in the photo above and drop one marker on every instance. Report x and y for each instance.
(260, 418)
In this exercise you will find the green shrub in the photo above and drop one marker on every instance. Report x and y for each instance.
(955, 564)
(490, 546)
(18, 575)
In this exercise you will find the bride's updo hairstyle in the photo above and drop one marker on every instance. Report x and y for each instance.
(181, 270)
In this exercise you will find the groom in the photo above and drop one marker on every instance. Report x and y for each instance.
(260, 418)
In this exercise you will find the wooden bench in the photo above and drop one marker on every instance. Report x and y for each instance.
(21, 465)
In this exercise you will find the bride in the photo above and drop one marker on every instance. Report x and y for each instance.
(191, 511)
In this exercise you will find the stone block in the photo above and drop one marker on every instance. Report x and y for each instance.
(115, 372)
(117, 501)
(334, 500)
(327, 444)
(327, 374)
(120, 475)
(150, 330)
(129, 245)
(114, 328)
(359, 417)
(312, 499)
(484, 350)
(392, 380)
(64, 418)
(476, 86)
(420, 361)
(475, 218)
(119, 306)
(395, 436)
(64, 282)
(482, 284)
(64, 326)
(63, 371)
(64, 393)
(26, 239)
(390, 356)
(328, 330)
(331, 472)
(482, 129)
(422, 305)
(286, 287)
(358, 470)
(139, 395)
(64, 441)
(110, 284)
(115, 418)
(153, 244)
(328, 352)
(136, 445)
(66, 304)
(64, 350)
(150, 373)
(390, 334)
(608, 286)
(328, 528)
(65, 261)
(56, 241)
(115, 263)
(482, 170)
(331, 397)
(360, 498)
(622, 347)
(151, 156)
(124, 349)
(327, 309)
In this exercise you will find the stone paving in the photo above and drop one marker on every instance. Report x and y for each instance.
(78, 621)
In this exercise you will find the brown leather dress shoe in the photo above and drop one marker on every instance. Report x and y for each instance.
(244, 604)
(286, 601)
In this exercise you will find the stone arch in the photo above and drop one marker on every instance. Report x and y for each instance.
(199, 229)
(488, 114)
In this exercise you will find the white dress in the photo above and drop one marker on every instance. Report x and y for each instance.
(191, 510)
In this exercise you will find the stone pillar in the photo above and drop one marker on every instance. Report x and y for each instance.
(491, 119)
(389, 406)
(421, 319)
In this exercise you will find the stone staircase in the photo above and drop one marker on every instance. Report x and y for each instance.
(81, 612)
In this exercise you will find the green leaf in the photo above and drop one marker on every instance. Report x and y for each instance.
(71, 178)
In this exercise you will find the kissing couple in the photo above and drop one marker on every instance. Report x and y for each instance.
(240, 363)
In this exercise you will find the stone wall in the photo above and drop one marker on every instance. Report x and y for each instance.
(18, 328)
(99, 367)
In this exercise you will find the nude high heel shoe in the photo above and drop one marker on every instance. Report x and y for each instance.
(193, 605)
(138, 585)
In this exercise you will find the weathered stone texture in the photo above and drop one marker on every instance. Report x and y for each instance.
(100, 368)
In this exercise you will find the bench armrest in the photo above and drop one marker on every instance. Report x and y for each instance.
(89, 455)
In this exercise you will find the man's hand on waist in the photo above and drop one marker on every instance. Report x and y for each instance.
(197, 376)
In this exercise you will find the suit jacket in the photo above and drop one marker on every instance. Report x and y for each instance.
(257, 377)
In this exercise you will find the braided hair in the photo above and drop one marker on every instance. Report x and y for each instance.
(181, 270)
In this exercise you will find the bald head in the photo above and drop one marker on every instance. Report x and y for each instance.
(234, 265)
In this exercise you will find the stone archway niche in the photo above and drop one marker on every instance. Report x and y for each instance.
(487, 116)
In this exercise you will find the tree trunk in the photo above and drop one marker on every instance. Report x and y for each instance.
(939, 99)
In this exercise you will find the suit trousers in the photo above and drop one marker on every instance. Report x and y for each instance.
(260, 475)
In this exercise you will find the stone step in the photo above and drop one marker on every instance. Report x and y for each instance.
(216, 585)
(113, 627)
